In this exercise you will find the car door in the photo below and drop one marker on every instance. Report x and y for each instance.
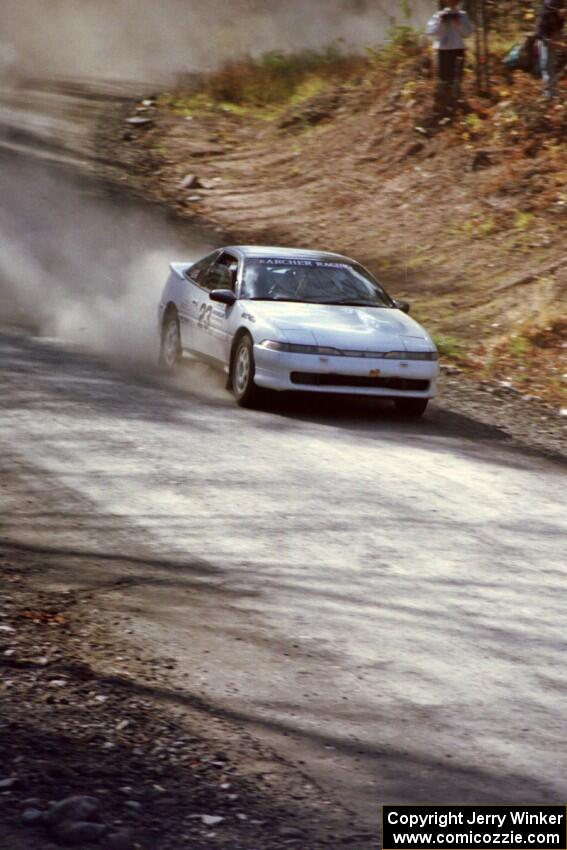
(194, 294)
(213, 317)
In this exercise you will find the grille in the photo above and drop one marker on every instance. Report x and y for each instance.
(314, 379)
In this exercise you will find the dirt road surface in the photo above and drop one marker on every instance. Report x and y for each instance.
(380, 602)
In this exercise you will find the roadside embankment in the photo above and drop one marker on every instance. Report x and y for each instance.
(463, 217)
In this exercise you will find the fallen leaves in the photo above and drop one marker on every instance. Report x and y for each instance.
(45, 618)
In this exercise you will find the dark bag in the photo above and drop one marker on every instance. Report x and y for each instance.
(524, 56)
(550, 22)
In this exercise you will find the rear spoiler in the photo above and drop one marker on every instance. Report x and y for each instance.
(180, 268)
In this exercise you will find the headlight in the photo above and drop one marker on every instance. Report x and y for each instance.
(411, 355)
(272, 345)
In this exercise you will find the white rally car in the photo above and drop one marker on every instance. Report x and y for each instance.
(289, 319)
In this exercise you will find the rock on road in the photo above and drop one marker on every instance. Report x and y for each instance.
(383, 602)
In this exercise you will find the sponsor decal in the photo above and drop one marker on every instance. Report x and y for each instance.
(205, 313)
(310, 264)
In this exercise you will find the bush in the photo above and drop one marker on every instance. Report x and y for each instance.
(276, 76)
(404, 44)
(450, 347)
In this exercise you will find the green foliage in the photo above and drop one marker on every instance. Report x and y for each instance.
(159, 148)
(405, 6)
(519, 346)
(479, 228)
(404, 44)
(449, 347)
(523, 220)
(189, 105)
(473, 122)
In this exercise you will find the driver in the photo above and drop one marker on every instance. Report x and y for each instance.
(304, 281)
(288, 284)
(308, 283)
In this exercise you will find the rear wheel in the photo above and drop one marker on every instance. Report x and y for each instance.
(170, 348)
(245, 391)
(412, 408)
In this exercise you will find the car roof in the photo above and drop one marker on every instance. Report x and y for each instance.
(254, 251)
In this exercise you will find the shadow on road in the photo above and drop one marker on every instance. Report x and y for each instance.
(432, 781)
(85, 384)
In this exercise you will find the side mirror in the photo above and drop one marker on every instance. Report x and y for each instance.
(402, 305)
(223, 296)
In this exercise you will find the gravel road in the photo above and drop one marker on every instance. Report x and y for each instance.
(380, 602)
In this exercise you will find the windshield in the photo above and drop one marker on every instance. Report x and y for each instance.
(312, 282)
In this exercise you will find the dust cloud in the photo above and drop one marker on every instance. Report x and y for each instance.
(74, 263)
(149, 40)
(82, 265)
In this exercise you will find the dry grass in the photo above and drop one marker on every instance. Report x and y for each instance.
(534, 358)
(278, 78)
(275, 78)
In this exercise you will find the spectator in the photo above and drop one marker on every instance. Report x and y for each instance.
(548, 33)
(449, 28)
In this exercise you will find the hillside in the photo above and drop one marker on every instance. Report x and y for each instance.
(464, 217)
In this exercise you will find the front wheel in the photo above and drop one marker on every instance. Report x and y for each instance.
(412, 408)
(245, 391)
(170, 348)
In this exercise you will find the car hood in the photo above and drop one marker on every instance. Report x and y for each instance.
(356, 328)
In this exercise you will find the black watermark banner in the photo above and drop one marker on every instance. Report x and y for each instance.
(464, 827)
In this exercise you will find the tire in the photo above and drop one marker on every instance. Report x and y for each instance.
(170, 346)
(242, 370)
(411, 408)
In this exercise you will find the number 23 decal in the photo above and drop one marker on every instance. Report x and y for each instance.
(205, 313)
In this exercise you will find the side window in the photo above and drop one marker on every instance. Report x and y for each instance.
(198, 272)
(224, 273)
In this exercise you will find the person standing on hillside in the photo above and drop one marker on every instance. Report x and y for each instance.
(450, 27)
(549, 29)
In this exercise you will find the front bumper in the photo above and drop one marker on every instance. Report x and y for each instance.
(277, 370)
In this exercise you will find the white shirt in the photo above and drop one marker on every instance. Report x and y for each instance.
(450, 34)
